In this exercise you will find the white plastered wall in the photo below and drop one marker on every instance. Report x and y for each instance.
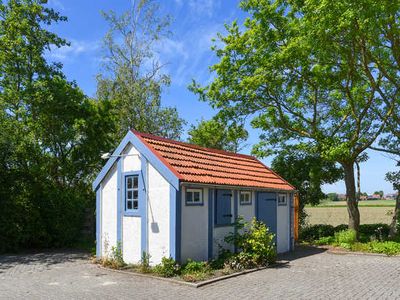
(247, 211)
(158, 216)
(194, 235)
(109, 212)
(131, 225)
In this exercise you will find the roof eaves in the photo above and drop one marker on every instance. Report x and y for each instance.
(277, 175)
(155, 152)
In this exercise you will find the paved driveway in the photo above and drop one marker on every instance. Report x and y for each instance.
(308, 275)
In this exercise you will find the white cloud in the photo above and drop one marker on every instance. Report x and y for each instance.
(204, 7)
(189, 56)
(76, 48)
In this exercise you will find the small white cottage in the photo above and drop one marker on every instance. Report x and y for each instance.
(174, 199)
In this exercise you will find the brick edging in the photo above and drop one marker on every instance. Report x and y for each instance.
(181, 282)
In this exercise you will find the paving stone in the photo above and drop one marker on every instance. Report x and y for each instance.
(309, 274)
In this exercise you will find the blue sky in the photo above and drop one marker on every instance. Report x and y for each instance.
(187, 55)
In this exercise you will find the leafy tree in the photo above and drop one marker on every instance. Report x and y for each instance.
(133, 79)
(215, 134)
(390, 145)
(333, 197)
(51, 134)
(380, 193)
(394, 178)
(307, 173)
(319, 74)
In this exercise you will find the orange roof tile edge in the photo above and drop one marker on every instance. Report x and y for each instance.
(142, 137)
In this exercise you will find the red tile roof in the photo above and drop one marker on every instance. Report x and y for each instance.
(191, 163)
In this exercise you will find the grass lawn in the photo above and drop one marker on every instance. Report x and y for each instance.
(335, 213)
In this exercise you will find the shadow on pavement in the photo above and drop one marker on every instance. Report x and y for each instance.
(44, 258)
(300, 252)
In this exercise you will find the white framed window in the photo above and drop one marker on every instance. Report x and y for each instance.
(131, 192)
(194, 196)
(282, 199)
(245, 198)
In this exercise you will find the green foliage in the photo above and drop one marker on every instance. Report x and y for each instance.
(387, 247)
(167, 268)
(51, 135)
(115, 259)
(116, 254)
(144, 266)
(216, 134)
(223, 256)
(195, 271)
(307, 173)
(255, 243)
(318, 74)
(326, 240)
(345, 238)
(315, 232)
(373, 239)
(333, 197)
(134, 80)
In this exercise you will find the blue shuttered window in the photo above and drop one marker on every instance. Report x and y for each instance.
(223, 208)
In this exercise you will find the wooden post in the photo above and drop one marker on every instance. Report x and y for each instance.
(296, 217)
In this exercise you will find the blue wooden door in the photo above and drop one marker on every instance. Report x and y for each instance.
(267, 210)
(223, 208)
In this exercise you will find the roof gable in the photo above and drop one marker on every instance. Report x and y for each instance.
(146, 153)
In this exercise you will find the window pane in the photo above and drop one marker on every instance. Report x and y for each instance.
(189, 197)
(135, 204)
(135, 194)
(129, 204)
(135, 181)
(129, 195)
(196, 196)
(129, 182)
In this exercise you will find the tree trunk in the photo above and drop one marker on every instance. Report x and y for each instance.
(358, 182)
(351, 198)
(393, 225)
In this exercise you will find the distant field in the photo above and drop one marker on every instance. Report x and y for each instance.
(335, 213)
(380, 203)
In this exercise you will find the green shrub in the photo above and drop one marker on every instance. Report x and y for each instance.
(195, 266)
(255, 242)
(167, 268)
(115, 259)
(242, 260)
(340, 227)
(195, 270)
(223, 256)
(326, 240)
(367, 232)
(388, 247)
(144, 266)
(315, 232)
(345, 238)
(374, 231)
